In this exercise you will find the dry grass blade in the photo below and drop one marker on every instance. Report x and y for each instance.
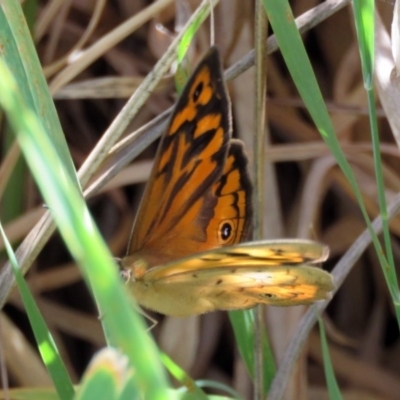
(106, 43)
(340, 272)
(306, 193)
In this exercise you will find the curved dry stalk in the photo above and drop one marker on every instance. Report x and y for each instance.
(260, 89)
(54, 67)
(340, 272)
(107, 42)
(304, 22)
(47, 16)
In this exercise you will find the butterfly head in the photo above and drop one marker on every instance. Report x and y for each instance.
(132, 268)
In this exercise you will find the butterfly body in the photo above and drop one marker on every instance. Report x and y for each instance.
(184, 258)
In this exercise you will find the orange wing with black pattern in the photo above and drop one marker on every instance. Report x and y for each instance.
(199, 193)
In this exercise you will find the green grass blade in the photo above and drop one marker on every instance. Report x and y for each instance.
(187, 38)
(293, 51)
(47, 348)
(19, 53)
(31, 394)
(182, 74)
(179, 374)
(364, 20)
(243, 328)
(124, 326)
(333, 388)
(12, 200)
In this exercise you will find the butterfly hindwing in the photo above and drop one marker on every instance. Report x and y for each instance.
(238, 288)
(237, 278)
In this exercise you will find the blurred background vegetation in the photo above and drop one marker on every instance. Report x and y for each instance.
(307, 195)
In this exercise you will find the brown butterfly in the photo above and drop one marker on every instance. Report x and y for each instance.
(196, 203)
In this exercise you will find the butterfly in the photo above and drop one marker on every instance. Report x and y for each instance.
(184, 256)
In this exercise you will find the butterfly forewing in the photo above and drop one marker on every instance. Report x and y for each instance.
(191, 202)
